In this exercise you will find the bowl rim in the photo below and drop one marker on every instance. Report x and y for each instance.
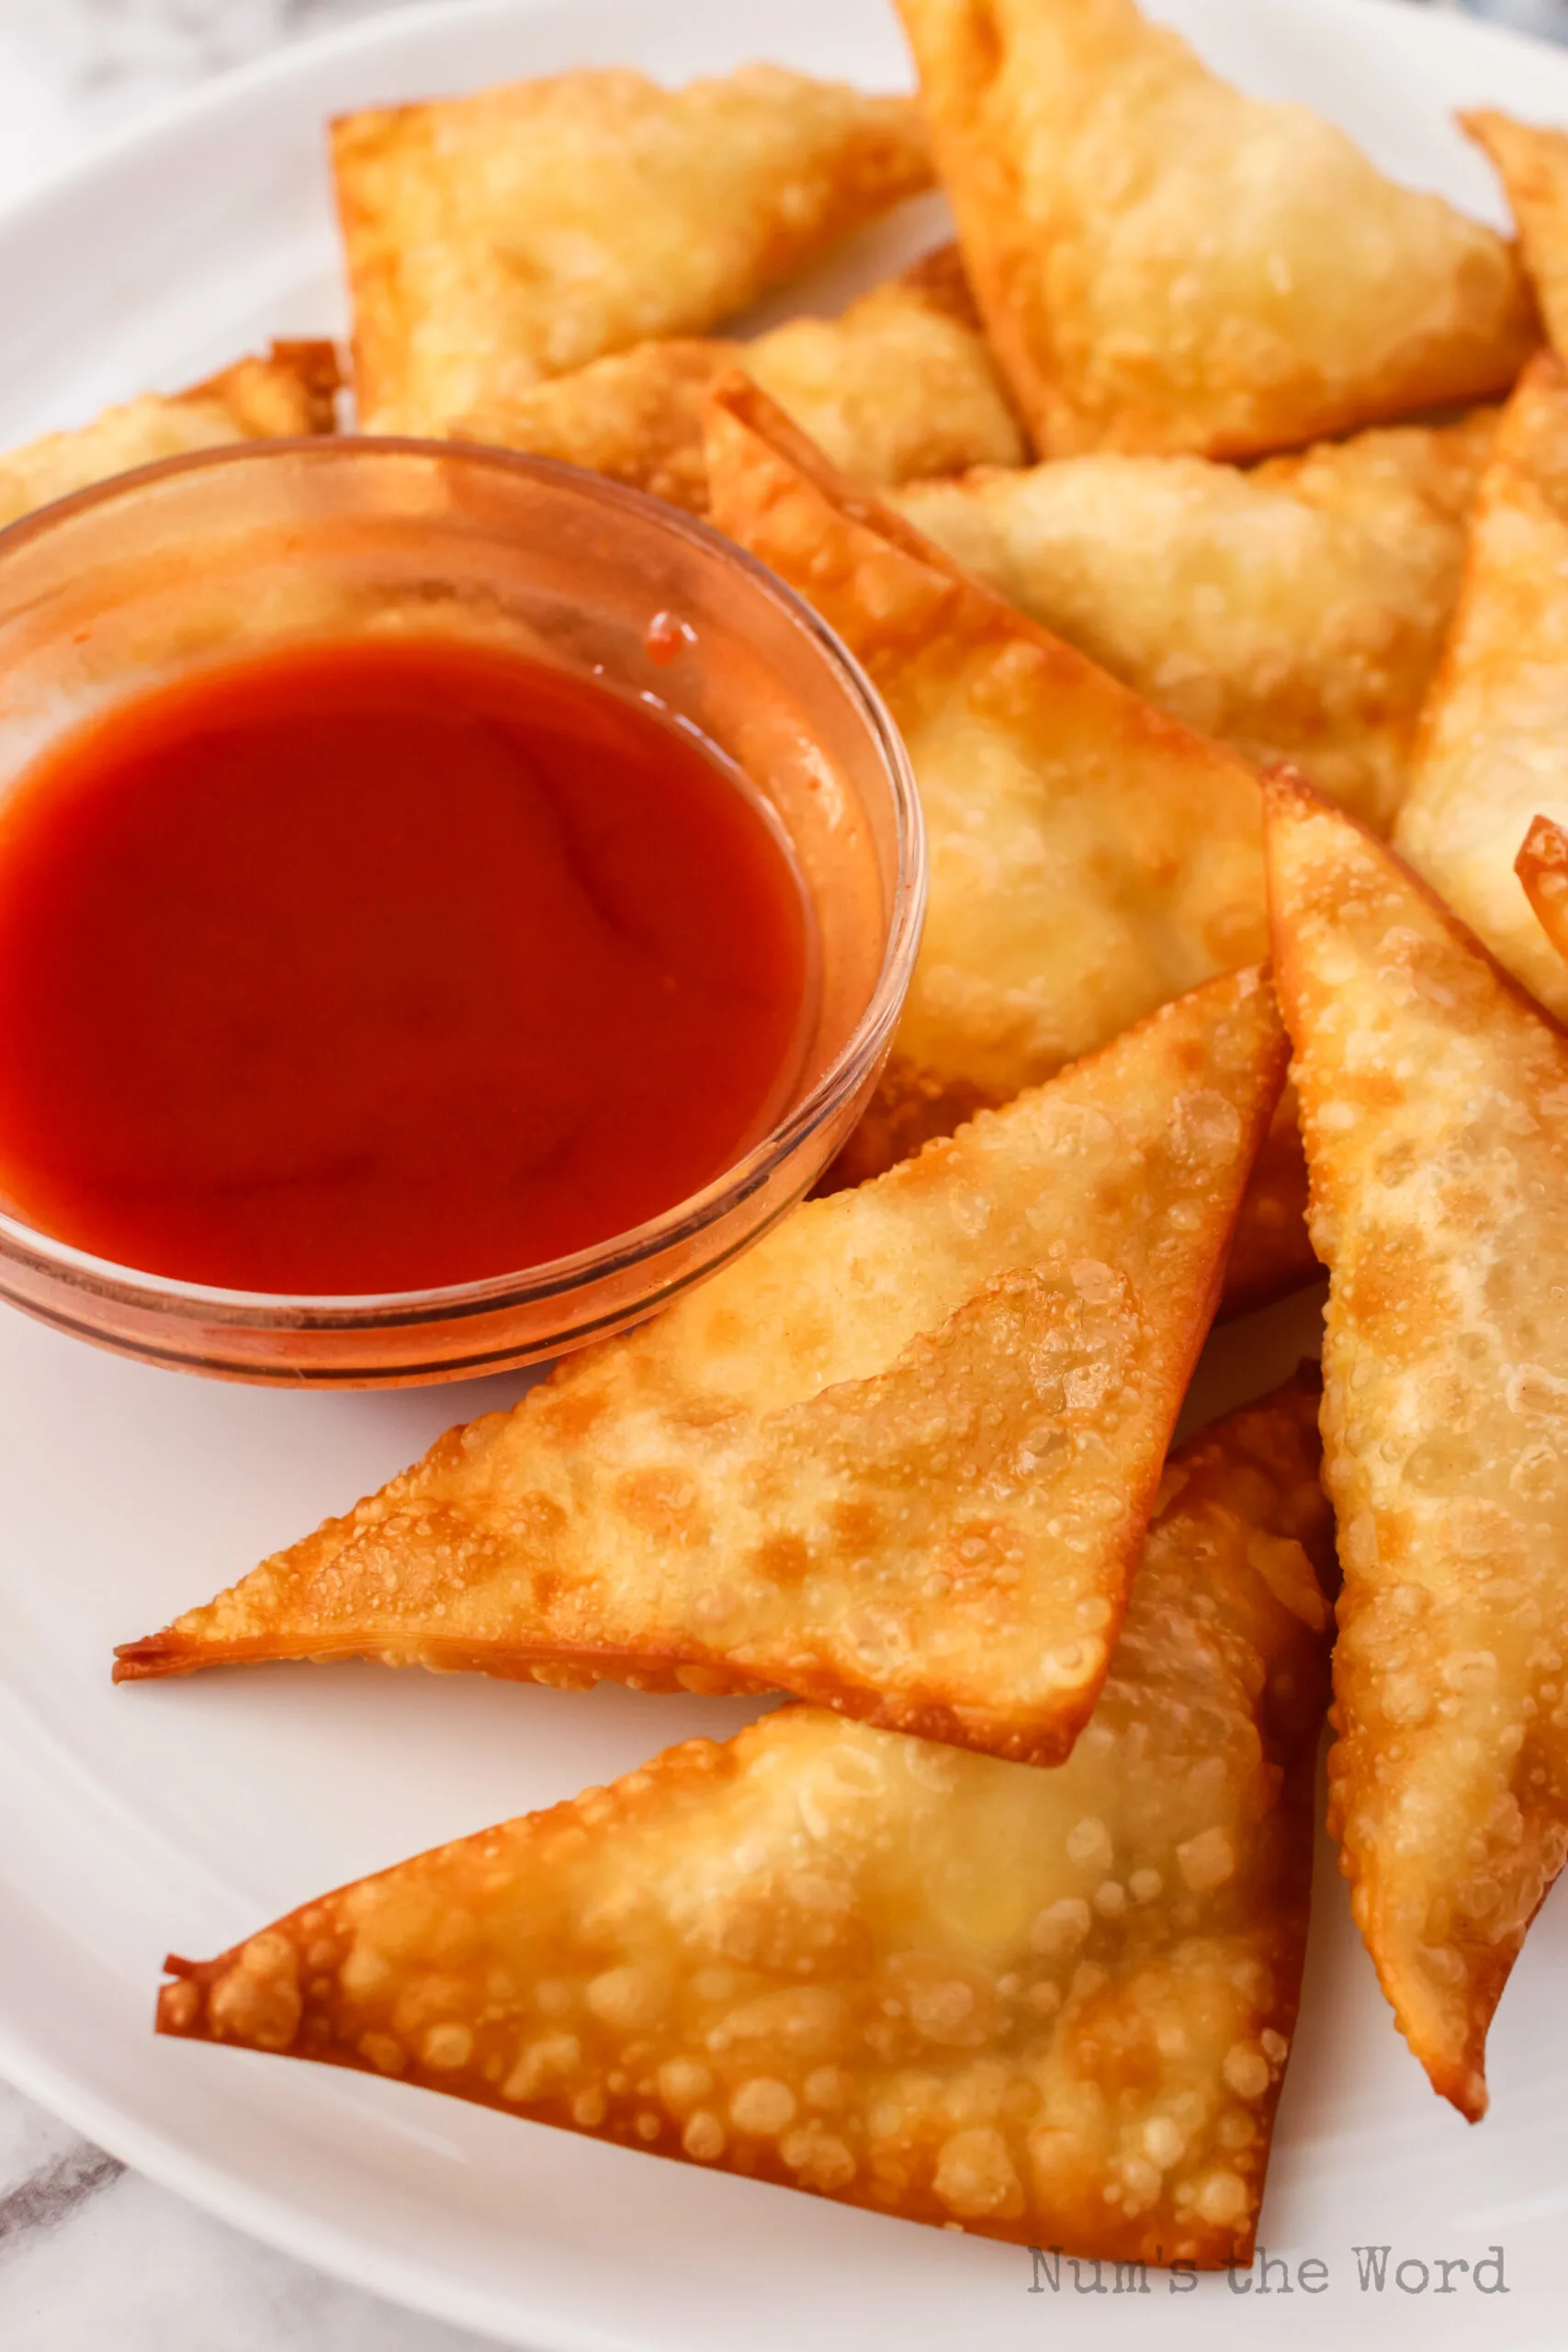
(273, 1311)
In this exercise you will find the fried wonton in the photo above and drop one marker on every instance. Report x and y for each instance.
(1533, 167)
(1270, 1254)
(1164, 264)
(1433, 1101)
(1089, 856)
(1492, 751)
(1044, 2006)
(910, 1108)
(900, 386)
(1543, 867)
(291, 390)
(1295, 611)
(521, 232)
(898, 1459)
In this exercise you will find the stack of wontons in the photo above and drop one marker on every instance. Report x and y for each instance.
(1186, 462)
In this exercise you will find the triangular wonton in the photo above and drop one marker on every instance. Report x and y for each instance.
(1053, 2006)
(1089, 858)
(897, 1459)
(1493, 747)
(1435, 1107)
(1533, 167)
(1270, 1252)
(524, 231)
(1164, 264)
(1295, 611)
(291, 390)
(900, 386)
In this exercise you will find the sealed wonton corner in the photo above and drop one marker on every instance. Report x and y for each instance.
(1048, 2005)
(900, 386)
(1164, 264)
(289, 389)
(1294, 610)
(1543, 867)
(1492, 751)
(1434, 1104)
(897, 1459)
(526, 230)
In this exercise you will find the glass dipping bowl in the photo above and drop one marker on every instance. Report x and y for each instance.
(217, 557)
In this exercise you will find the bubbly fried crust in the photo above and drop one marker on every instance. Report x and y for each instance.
(1433, 1101)
(290, 391)
(1271, 1252)
(1533, 167)
(1295, 611)
(523, 231)
(1493, 747)
(898, 1459)
(910, 1108)
(1164, 264)
(1048, 2006)
(901, 386)
(1089, 858)
(1543, 867)
(634, 416)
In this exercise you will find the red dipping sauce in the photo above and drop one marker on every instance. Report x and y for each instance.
(378, 967)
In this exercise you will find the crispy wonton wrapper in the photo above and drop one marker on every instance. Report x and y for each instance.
(1164, 264)
(1046, 2005)
(1089, 858)
(902, 386)
(1296, 611)
(1533, 167)
(898, 1459)
(1493, 748)
(523, 231)
(291, 390)
(1271, 1252)
(1434, 1106)
(1543, 867)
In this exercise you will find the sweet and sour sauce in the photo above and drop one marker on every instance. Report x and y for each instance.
(381, 965)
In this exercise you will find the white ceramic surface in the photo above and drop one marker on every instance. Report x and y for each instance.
(186, 1814)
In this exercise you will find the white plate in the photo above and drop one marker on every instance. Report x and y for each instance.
(187, 1814)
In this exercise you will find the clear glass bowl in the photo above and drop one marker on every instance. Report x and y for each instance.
(224, 554)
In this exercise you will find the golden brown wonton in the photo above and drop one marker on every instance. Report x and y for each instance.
(1434, 1101)
(291, 390)
(1270, 1253)
(523, 231)
(1543, 867)
(1046, 2005)
(901, 386)
(1089, 858)
(910, 1108)
(1493, 747)
(1164, 264)
(1533, 167)
(898, 1459)
(1295, 611)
